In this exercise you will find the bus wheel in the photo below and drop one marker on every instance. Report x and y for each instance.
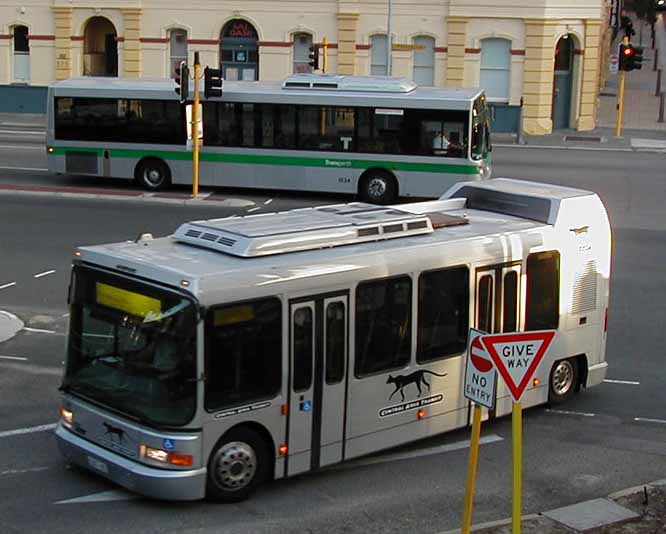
(563, 380)
(378, 187)
(238, 466)
(153, 174)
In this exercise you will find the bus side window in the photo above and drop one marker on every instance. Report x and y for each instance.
(243, 357)
(485, 304)
(443, 317)
(383, 325)
(543, 291)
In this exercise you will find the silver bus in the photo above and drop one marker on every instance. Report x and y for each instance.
(249, 348)
(379, 138)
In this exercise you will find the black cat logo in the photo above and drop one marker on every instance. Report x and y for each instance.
(402, 381)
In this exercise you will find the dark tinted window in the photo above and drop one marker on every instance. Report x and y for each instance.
(303, 348)
(325, 128)
(543, 291)
(485, 304)
(443, 320)
(21, 43)
(510, 302)
(121, 121)
(336, 342)
(243, 352)
(383, 325)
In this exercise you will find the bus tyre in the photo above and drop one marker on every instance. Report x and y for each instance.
(237, 466)
(153, 174)
(563, 380)
(378, 187)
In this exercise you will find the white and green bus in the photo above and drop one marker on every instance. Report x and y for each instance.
(380, 138)
(249, 348)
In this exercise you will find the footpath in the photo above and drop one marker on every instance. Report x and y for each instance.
(641, 130)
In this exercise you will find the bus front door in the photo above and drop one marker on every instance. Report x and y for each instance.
(318, 374)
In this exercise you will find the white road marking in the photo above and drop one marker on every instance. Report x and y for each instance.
(626, 382)
(567, 412)
(268, 201)
(491, 438)
(24, 147)
(104, 496)
(45, 273)
(21, 471)
(648, 420)
(40, 169)
(64, 315)
(254, 209)
(17, 358)
(31, 430)
(10, 284)
(38, 330)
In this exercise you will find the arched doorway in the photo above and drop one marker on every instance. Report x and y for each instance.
(239, 53)
(100, 48)
(563, 82)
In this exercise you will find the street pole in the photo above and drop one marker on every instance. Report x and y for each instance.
(517, 456)
(195, 128)
(471, 470)
(389, 40)
(620, 97)
(325, 59)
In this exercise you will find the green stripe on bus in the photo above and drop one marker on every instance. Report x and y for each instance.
(295, 161)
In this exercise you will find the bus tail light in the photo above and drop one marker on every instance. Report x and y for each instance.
(536, 382)
(283, 450)
(50, 150)
(420, 414)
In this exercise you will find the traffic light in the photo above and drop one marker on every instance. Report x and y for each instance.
(637, 59)
(212, 82)
(183, 82)
(314, 57)
(631, 57)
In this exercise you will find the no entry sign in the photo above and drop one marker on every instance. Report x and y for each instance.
(480, 374)
(517, 356)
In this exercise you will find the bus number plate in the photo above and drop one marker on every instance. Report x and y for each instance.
(98, 465)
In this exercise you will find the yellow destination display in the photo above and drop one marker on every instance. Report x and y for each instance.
(127, 301)
(237, 314)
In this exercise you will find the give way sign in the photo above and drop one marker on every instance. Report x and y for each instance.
(517, 356)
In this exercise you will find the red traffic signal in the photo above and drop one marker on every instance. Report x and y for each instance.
(631, 57)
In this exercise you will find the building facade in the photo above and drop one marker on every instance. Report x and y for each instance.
(549, 55)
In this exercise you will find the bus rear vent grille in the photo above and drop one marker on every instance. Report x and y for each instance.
(307, 229)
(585, 289)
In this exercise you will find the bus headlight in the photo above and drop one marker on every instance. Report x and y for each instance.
(159, 455)
(67, 416)
(50, 150)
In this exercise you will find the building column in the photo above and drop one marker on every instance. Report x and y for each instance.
(63, 33)
(455, 56)
(590, 85)
(538, 76)
(347, 27)
(132, 43)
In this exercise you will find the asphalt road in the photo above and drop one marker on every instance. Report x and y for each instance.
(589, 447)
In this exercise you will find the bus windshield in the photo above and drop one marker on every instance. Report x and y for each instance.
(132, 348)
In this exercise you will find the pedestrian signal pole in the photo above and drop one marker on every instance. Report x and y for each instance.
(625, 51)
(195, 128)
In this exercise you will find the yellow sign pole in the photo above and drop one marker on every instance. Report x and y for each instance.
(471, 469)
(325, 60)
(620, 96)
(195, 128)
(517, 448)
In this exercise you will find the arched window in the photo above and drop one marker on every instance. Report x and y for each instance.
(177, 49)
(21, 55)
(496, 68)
(302, 44)
(378, 48)
(239, 52)
(424, 60)
(100, 48)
